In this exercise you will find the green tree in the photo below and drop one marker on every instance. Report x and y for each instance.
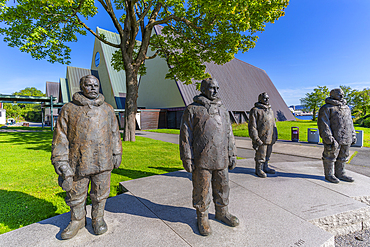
(194, 32)
(313, 101)
(28, 112)
(361, 102)
(348, 94)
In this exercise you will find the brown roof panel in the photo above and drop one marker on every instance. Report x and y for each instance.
(53, 88)
(240, 84)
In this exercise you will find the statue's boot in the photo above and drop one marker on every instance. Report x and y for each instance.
(340, 172)
(78, 221)
(222, 214)
(259, 171)
(329, 171)
(203, 223)
(97, 214)
(267, 169)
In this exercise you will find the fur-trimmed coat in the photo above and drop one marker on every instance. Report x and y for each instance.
(86, 136)
(261, 125)
(335, 122)
(206, 135)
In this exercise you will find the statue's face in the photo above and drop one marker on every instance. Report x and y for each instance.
(337, 94)
(211, 91)
(90, 88)
(265, 99)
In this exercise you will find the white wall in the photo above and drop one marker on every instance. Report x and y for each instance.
(2, 116)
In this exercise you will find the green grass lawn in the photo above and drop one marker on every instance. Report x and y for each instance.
(29, 190)
(284, 130)
(167, 131)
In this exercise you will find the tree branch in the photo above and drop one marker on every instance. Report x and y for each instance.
(108, 7)
(78, 7)
(146, 35)
(176, 18)
(153, 56)
(95, 34)
(145, 12)
(132, 27)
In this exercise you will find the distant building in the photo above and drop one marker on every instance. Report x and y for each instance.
(52, 89)
(161, 101)
(240, 84)
(113, 83)
(2, 114)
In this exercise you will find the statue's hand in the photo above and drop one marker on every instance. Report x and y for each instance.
(232, 162)
(65, 179)
(354, 140)
(257, 144)
(117, 159)
(63, 169)
(188, 165)
(334, 145)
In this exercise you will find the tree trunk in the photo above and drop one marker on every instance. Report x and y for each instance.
(131, 105)
(314, 114)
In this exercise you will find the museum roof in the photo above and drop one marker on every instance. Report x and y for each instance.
(240, 84)
(74, 75)
(53, 88)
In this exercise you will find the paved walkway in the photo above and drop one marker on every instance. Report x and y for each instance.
(284, 151)
(295, 207)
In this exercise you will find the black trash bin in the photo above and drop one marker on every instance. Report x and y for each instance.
(295, 134)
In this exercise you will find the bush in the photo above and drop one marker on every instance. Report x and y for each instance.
(366, 123)
(359, 121)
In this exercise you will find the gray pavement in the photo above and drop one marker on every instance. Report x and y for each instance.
(285, 151)
(295, 207)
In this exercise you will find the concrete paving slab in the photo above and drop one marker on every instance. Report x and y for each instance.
(295, 207)
(262, 222)
(314, 169)
(172, 138)
(306, 150)
(301, 189)
(130, 223)
(299, 196)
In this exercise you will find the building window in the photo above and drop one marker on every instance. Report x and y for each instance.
(97, 59)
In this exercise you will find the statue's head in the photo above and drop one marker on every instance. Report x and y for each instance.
(209, 88)
(263, 98)
(337, 93)
(89, 86)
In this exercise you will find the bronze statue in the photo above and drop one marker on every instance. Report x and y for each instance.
(337, 132)
(263, 132)
(86, 147)
(207, 150)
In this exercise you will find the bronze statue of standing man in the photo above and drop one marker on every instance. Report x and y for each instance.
(207, 150)
(337, 132)
(263, 132)
(86, 147)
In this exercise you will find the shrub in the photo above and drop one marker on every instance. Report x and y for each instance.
(366, 123)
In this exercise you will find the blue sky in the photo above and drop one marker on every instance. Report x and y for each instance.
(316, 43)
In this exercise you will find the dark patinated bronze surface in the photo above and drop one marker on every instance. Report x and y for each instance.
(263, 132)
(86, 147)
(207, 149)
(337, 132)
